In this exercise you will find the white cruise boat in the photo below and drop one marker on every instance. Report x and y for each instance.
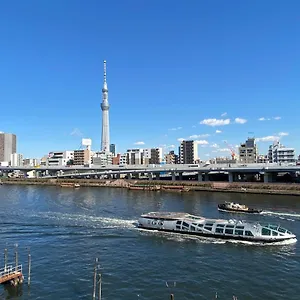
(225, 229)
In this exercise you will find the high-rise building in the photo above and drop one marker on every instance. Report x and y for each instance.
(105, 117)
(248, 152)
(8, 146)
(112, 149)
(188, 152)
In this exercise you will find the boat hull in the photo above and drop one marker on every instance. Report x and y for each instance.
(222, 207)
(218, 236)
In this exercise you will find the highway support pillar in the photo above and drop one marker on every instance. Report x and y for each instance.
(173, 176)
(269, 177)
(200, 176)
(157, 176)
(150, 176)
(180, 176)
(231, 176)
(206, 177)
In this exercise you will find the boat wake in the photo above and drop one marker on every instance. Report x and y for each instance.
(282, 215)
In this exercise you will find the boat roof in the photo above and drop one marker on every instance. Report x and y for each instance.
(176, 215)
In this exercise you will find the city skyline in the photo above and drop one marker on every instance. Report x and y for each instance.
(203, 72)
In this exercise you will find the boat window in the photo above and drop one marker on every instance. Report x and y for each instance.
(248, 233)
(238, 232)
(200, 225)
(239, 227)
(178, 222)
(229, 226)
(272, 226)
(185, 224)
(229, 231)
(220, 225)
(281, 230)
(193, 228)
(178, 227)
(219, 230)
(274, 232)
(288, 232)
(208, 227)
(209, 224)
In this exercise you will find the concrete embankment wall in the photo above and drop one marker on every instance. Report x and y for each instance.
(236, 187)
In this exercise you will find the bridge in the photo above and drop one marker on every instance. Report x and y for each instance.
(202, 171)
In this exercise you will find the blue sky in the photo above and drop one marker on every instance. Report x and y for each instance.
(174, 71)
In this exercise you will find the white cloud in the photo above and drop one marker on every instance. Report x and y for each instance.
(207, 154)
(214, 145)
(269, 138)
(175, 128)
(215, 122)
(224, 114)
(139, 143)
(180, 139)
(218, 131)
(223, 150)
(170, 146)
(264, 119)
(240, 121)
(195, 136)
(283, 133)
(202, 142)
(76, 132)
(277, 118)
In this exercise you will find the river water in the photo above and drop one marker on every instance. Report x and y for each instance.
(66, 229)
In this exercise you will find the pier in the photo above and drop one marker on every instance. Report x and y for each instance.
(12, 273)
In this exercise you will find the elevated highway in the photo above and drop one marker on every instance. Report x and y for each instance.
(268, 171)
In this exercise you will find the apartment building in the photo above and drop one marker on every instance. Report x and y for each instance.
(82, 157)
(134, 156)
(188, 152)
(172, 158)
(248, 151)
(102, 158)
(280, 154)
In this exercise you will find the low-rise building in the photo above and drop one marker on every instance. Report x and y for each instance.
(280, 154)
(102, 158)
(59, 158)
(171, 158)
(82, 157)
(16, 160)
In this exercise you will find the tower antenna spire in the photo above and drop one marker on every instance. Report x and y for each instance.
(104, 70)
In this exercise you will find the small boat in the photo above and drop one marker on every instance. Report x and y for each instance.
(179, 222)
(76, 185)
(238, 208)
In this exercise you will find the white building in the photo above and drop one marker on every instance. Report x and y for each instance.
(31, 162)
(16, 160)
(134, 156)
(59, 158)
(280, 154)
(102, 158)
(123, 159)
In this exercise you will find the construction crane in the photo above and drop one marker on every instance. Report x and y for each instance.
(233, 154)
